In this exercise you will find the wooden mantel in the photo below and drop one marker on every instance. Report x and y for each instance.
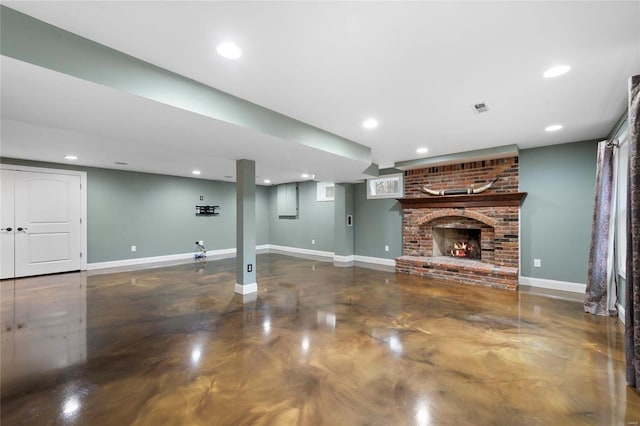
(508, 199)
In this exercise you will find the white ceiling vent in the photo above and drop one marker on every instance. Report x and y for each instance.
(480, 107)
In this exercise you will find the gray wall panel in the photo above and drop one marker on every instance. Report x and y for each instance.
(343, 241)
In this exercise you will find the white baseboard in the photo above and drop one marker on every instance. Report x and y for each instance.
(343, 260)
(553, 284)
(140, 261)
(246, 288)
(621, 312)
(273, 248)
(211, 255)
(338, 260)
(326, 256)
(375, 260)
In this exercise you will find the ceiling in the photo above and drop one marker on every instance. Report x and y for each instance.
(417, 67)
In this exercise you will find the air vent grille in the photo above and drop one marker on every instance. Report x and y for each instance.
(480, 107)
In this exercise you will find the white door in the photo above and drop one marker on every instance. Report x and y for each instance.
(7, 232)
(47, 223)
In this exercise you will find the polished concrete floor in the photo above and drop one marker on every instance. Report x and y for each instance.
(319, 345)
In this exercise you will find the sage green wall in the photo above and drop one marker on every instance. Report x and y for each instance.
(555, 217)
(127, 208)
(156, 213)
(262, 220)
(314, 221)
(557, 213)
(377, 223)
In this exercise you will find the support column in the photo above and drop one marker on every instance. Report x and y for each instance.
(246, 227)
(343, 230)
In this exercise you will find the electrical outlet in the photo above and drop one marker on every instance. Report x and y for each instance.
(386, 248)
(313, 242)
(537, 263)
(133, 248)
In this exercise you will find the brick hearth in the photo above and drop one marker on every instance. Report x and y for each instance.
(495, 213)
(461, 270)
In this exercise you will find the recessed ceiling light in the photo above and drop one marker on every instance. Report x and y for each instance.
(422, 150)
(267, 181)
(553, 128)
(556, 71)
(196, 172)
(71, 157)
(370, 123)
(305, 175)
(229, 50)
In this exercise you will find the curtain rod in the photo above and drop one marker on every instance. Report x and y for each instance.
(618, 125)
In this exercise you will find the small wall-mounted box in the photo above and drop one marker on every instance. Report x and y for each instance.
(287, 201)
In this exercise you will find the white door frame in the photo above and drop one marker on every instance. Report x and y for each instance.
(83, 200)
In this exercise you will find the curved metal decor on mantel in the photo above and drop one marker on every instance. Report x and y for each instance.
(460, 191)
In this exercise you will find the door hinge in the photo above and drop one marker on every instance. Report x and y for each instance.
(80, 220)
(80, 254)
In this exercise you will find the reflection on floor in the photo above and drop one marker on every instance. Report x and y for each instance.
(319, 345)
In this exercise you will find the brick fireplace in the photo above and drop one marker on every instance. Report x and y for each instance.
(436, 227)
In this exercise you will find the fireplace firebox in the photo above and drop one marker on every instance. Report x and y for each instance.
(456, 242)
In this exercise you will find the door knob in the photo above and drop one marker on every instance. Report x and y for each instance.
(6, 229)
(21, 229)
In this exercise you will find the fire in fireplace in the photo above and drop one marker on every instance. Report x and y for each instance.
(457, 242)
(463, 249)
